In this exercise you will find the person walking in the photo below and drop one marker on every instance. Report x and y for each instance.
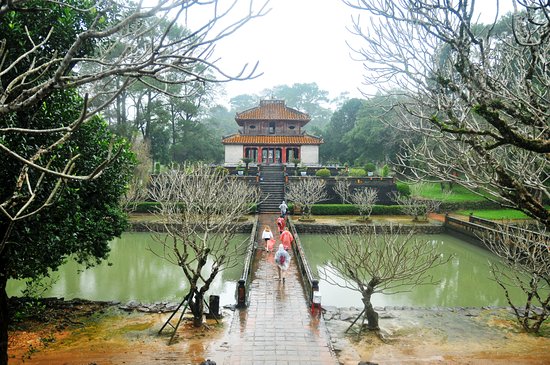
(266, 236)
(283, 207)
(281, 223)
(286, 238)
(282, 259)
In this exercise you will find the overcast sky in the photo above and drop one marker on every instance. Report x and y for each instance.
(302, 41)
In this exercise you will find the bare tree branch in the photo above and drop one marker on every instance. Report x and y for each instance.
(477, 93)
(120, 45)
(385, 263)
(526, 265)
(342, 188)
(364, 199)
(199, 208)
(306, 192)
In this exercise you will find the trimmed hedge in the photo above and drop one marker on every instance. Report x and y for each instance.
(146, 207)
(349, 209)
(403, 188)
(472, 205)
(152, 207)
(357, 172)
(323, 172)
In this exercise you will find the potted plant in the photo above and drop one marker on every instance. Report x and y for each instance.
(295, 161)
(370, 167)
(240, 170)
(303, 170)
(246, 161)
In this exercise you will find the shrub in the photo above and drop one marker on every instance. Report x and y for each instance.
(350, 209)
(324, 172)
(386, 210)
(334, 209)
(152, 207)
(357, 172)
(403, 188)
(222, 170)
(146, 207)
(385, 171)
(370, 167)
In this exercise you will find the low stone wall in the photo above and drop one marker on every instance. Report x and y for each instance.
(244, 227)
(358, 228)
(301, 227)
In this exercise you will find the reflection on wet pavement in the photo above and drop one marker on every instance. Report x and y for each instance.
(277, 327)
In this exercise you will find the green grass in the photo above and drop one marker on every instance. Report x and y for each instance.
(495, 214)
(458, 194)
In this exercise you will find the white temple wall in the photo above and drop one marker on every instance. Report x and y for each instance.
(233, 154)
(310, 155)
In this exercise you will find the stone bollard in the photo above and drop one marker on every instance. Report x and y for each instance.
(214, 305)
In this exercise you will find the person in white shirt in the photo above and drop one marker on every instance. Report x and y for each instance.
(267, 235)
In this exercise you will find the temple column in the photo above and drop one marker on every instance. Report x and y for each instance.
(260, 152)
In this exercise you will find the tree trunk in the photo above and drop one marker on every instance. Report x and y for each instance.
(372, 316)
(3, 320)
(197, 308)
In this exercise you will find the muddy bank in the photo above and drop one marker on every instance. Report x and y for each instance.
(437, 336)
(84, 332)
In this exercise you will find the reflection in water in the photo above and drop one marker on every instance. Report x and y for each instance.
(464, 281)
(133, 272)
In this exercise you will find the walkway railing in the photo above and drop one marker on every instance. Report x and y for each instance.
(243, 285)
(472, 230)
(481, 229)
(509, 227)
(311, 283)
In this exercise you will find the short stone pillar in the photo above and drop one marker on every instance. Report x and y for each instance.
(241, 294)
(214, 306)
(315, 296)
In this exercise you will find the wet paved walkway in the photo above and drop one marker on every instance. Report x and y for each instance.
(278, 327)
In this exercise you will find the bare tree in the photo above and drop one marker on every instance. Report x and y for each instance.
(61, 64)
(416, 206)
(478, 94)
(306, 192)
(525, 265)
(364, 199)
(385, 263)
(119, 46)
(137, 189)
(199, 207)
(342, 188)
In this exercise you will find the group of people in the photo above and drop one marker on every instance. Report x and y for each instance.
(282, 257)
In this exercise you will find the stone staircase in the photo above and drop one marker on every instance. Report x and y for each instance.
(272, 186)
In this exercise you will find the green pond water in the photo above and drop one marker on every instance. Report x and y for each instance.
(132, 272)
(464, 281)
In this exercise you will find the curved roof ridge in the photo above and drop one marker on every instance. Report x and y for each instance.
(273, 140)
(272, 109)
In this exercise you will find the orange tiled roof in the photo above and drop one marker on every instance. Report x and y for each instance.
(272, 140)
(272, 110)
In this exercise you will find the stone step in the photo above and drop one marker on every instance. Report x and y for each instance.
(272, 188)
(273, 191)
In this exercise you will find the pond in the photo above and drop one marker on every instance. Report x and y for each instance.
(132, 272)
(464, 282)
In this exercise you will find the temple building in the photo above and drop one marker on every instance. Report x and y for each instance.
(272, 133)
